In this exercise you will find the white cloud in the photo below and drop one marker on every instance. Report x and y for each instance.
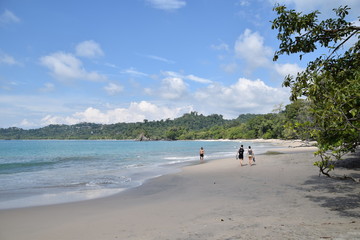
(96, 116)
(111, 65)
(136, 112)
(49, 119)
(287, 69)
(172, 74)
(32, 108)
(221, 46)
(113, 88)
(229, 68)
(245, 96)
(356, 22)
(190, 77)
(65, 66)
(324, 6)
(167, 4)
(173, 88)
(161, 59)
(134, 72)
(5, 85)
(148, 91)
(250, 46)
(26, 124)
(321, 5)
(198, 79)
(8, 17)
(7, 59)
(89, 49)
(48, 87)
(244, 3)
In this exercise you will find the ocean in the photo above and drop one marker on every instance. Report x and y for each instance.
(43, 172)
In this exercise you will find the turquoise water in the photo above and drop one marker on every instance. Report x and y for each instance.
(41, 172)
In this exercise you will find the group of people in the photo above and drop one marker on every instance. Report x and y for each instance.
(250, 153)
(239, 155)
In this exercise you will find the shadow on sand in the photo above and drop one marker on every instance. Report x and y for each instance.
(342, 196)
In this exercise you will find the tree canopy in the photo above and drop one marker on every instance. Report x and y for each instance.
(330, 82)
(188, 127)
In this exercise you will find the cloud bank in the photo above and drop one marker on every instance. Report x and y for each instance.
(136, 112)
(175, 99)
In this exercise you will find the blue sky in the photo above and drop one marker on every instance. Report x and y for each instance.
(65, 62)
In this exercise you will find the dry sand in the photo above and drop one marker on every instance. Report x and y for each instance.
(281, 197)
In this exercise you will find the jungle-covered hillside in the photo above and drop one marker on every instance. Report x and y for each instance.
(190, 126)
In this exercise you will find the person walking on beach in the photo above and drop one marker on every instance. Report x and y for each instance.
(251, 155)
(202, 152)
(241, 155)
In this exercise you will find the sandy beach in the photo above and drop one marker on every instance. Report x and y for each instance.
(280, 197)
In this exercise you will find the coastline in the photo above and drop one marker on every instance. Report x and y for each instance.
(295, 143)
(281, 196)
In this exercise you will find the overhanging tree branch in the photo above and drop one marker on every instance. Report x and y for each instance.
(331, 83)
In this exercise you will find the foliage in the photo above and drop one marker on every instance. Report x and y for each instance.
(330, 83)
(298, 120)
(190, 126)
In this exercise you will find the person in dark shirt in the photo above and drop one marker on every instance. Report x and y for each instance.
(241, 155)
(202, 152)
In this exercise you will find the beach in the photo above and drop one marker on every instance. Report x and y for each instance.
(280, 197)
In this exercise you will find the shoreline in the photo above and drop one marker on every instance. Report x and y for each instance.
(281, 196)
(51, 197)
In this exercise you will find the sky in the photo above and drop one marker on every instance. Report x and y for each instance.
(66, 62)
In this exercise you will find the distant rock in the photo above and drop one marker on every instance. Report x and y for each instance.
(142, 137)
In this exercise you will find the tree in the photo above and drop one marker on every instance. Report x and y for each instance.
(331, 82)
(174, 133)
(298, 118)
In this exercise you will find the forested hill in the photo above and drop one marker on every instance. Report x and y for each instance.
(189, 126)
